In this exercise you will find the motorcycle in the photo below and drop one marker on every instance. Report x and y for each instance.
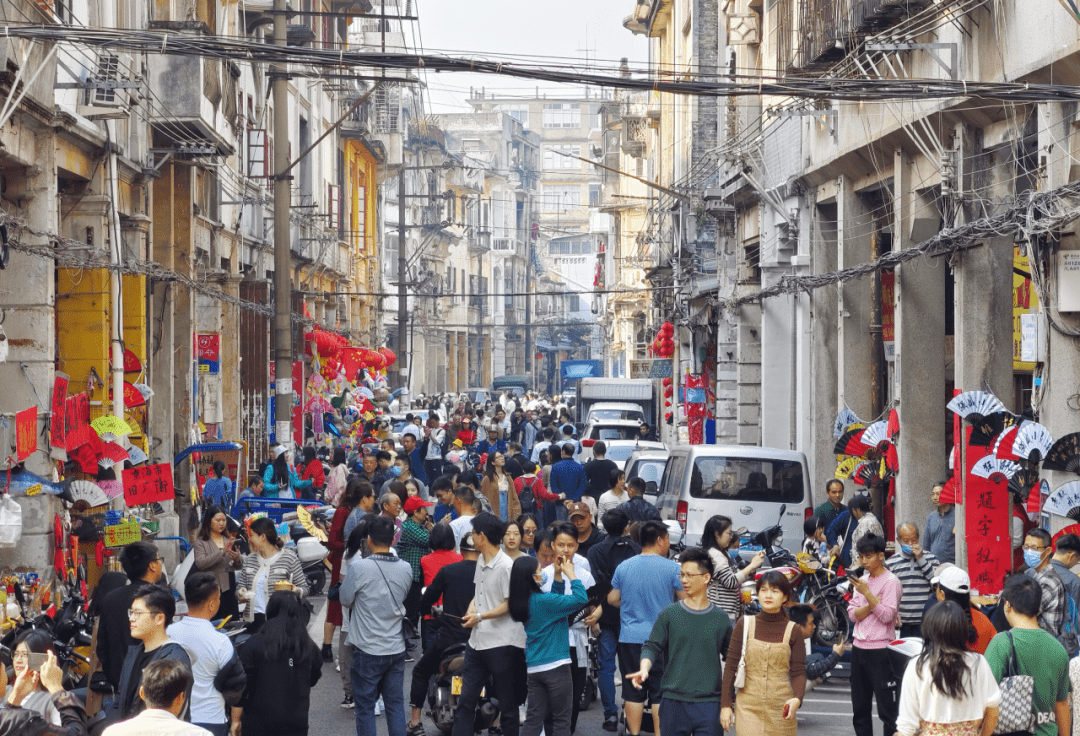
(827, 590)
(770, 540)
(445, 688)
(309, 549)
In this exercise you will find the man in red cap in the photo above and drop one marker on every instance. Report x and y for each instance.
(413, 545)
(587, 534)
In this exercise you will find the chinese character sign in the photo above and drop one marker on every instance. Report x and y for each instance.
(147, 484)
(25, 433)
(59, 402)
(986, 515)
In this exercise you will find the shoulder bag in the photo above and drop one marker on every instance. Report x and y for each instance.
(740, 673)
(1017, 693)
(408, 628)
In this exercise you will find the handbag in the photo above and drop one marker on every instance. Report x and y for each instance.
(408, 628)
(1017, 693)
(740, 673)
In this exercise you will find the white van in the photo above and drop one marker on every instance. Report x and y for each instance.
(747, 484)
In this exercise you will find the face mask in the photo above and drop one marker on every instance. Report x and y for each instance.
(395, 470)
(905, 549)
(1032, 558)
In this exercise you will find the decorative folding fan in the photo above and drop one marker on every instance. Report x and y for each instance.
(843, 422)
(973, 405)
(1022, 481)
(1002, 445)
(309, 525)
(985, 429)
(86, 492)
(1032, 441)
(1064, 455)
(850, 443)
(866, 473)
(1064, 501)
(875, 434)
(950, 492)
(846, 467)
(112, 454)
(989, 467)
(894, 424)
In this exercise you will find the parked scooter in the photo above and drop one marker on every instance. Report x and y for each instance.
(445, 688)
(824, 587)
(311, 551)
(777, 558)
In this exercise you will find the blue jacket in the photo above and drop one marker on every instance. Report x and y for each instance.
(843, 524)
(547, 632)
(568, 477)
(219, 491)
(416, 458)
(271, 490)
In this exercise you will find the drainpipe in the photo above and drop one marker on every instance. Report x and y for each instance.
(116, 303)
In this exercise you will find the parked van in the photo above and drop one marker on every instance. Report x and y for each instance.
(747, 484)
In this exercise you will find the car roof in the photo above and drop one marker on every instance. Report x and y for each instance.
(614, 405)
(650, 453)
(749, 451)
(614, 423)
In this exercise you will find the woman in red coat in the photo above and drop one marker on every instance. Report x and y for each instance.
(336, 544)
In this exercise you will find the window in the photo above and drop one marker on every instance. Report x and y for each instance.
(571, 246)
(562, 115)
(594, 195)
(558, 157)
(750, 479)
(257, 156)
(561, 197)
(517, 112)
(471, 144)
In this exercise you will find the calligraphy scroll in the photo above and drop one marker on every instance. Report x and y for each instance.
(59, 402)
(987, 510)
(25, 433)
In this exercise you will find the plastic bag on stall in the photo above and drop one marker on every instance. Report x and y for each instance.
(10, 521)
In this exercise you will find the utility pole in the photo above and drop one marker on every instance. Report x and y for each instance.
(402, 268)
(283, 350)
(530, 356)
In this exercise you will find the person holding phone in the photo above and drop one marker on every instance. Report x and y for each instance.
(216, 552)
(31, 652)
(17, 718)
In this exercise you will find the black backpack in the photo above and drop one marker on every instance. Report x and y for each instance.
(527, 498)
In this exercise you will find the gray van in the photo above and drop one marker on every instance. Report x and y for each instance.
(748, 484)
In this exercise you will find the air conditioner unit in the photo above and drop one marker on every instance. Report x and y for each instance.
(110, 68)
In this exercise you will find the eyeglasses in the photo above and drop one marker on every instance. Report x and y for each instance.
(692, 574)
(20, 655)
(133, 614)
(1029, 548)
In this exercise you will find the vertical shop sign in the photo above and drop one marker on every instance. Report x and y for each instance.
(25, 433)
(57, 427)
(986, 513)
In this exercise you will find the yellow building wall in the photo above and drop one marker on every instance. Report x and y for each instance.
(360, 181)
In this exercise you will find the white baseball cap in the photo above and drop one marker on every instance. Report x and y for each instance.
(953, 578)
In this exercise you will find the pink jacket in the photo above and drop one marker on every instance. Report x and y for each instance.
(879, 628)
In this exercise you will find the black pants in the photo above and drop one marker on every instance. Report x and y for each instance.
(872, 677)
(425, 668)
(907, 630)
(412, 603)
(577, 676)
(497, 664)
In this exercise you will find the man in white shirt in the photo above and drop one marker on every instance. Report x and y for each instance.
(216, 668)
(465, 507)
(496, 646)
(164, 683)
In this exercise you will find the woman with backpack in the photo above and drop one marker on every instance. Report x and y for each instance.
(532, 495)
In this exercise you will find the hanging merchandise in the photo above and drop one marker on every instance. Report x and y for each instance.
(985, 429)
(1064, 501)
(10, 521)
(1064, 454)
(844, 421)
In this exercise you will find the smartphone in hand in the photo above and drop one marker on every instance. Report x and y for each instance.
(787, 710)
(35, 661)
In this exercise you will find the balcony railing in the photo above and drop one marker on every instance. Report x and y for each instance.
(828, 28)
(506, 245)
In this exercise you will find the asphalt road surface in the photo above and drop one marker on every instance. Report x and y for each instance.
(825, 712)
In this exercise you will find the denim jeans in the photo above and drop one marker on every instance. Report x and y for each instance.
(606, 646)
(372, 676)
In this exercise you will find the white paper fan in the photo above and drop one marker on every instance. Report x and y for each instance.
(1030, 439)
(989, 466)
(876, 433)
(88, 492)
(975, 404)
(1065, 500)
(844, 420)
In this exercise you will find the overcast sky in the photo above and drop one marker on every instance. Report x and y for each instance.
(499, 29)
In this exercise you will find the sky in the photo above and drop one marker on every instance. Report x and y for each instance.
(564, 30)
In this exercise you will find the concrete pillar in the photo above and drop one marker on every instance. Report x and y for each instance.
(161, 339)
(230, 361)
(920, 354)
(983, 295)
(27, 300)
(749, 373)
(854, 341)
(824, 381)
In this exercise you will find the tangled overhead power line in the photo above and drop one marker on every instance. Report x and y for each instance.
(1035, 214)
(242, 49)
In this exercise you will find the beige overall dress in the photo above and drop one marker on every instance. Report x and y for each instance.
(759, 706)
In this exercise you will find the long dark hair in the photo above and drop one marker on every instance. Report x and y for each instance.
(714, 528)
(219, 468)
(281, 476)
(208, 517)
(357, 538)
(522, 587)
(338, 457)
(944, 630)
(285, 631)
(489, 468)
(964, 601)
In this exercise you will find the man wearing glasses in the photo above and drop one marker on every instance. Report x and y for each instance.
(152, 610)
(1054, 611)
(142, 564)
(692, 637)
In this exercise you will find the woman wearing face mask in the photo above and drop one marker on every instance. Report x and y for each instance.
(775, 665)
(725, 587)
(280, 479)
(269, 568)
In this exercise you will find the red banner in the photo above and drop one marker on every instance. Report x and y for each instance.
(57, 429)
(25, 433)
(888, 306)
(82, 408)
(147, 484)
(987, 510)
(71, 419)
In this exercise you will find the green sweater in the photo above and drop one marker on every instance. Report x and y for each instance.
(693, 645)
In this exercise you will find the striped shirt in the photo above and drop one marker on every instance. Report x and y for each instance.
(915, 576)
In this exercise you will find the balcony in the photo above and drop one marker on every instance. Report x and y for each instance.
(511, 246)
(633, 137)
(191, 89)
(480, 242)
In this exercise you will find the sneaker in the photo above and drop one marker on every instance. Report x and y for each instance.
(416, 729)
(347, 702)
(379, 706)
(611, 723)
(327, 653)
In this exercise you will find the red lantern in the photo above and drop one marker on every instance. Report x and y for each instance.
(388, 355)
(327, 345)
(377, 361)
(668, 392)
